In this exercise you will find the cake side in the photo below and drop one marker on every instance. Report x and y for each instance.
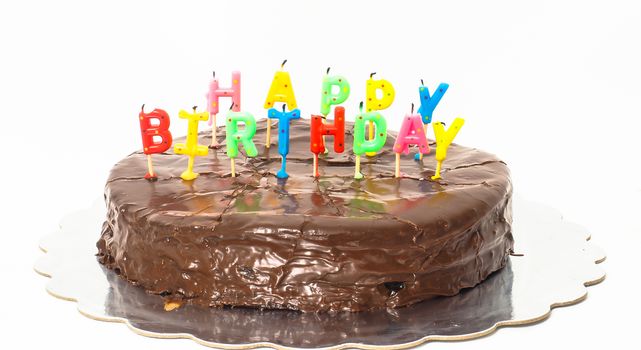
(332, 243)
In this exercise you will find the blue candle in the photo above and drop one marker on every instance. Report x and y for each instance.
(428, 104)
(283, 135)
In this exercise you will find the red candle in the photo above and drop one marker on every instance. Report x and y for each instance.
(156, 137)
(320, 129)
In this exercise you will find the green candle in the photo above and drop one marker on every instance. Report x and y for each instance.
(328, 98)
(374, 144)
(235, 136)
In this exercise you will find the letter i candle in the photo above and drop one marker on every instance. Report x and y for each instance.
(213, 103)
(191, 146)
(156, 137)
(283, 135)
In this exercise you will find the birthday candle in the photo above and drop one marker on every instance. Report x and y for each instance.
(283, 135)
(281, 90)
(156, 137)
(373, 103)
(191, 146)
(373, 144)
(235, 136)
(319, 129)
(411, 133)
(213, 97)
(428, 104)
(327, 97)
(443, 141)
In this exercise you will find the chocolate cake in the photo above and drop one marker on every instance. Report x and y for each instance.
(332, 243)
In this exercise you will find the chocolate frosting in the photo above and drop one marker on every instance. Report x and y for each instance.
(327, 244)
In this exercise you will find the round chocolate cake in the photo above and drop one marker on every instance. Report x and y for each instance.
(332, 243)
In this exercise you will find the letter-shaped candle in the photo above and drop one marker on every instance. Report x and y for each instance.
(191, 146)
(428, 104)
(328, 98)
(235, 136)
(283, 135)
(319, 129)
(443, 141)
(374, 144)
(373, 103)
(280, 91)
(156, 137)
(411, 133)
(213, 104)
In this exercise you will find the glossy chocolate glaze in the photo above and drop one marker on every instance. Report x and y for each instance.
(327, 244)
(473, 310)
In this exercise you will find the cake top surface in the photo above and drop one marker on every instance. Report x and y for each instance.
(471, 179)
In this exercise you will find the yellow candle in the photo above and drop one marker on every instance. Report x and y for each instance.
(373, 103)
(280, 91)
(191, 147)
(443, 141)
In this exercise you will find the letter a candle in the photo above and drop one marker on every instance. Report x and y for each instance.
(213, 96)
(280, 91)
(428, 104)
(191, 146)
(443, 141)
(375, 143)
(411, 133)
(373, 103)
(235, 136)
(283, 135)
(156, 137)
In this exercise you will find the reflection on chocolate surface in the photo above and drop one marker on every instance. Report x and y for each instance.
(475, 309)
(327, 244)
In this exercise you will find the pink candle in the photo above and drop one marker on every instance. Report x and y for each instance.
(213, 98)
(411, 133)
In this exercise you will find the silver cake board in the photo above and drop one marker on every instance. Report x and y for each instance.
(553, 264)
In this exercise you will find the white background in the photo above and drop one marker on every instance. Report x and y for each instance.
(552, 87)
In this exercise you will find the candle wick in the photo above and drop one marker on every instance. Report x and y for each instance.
(284, 107)
(328, 70)
(214, 74)
(422, 82)
(360, 106)
(194, 107)
(232, 106)
(371, 75)
(412, 107)
(142, 109)
(283, 64)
